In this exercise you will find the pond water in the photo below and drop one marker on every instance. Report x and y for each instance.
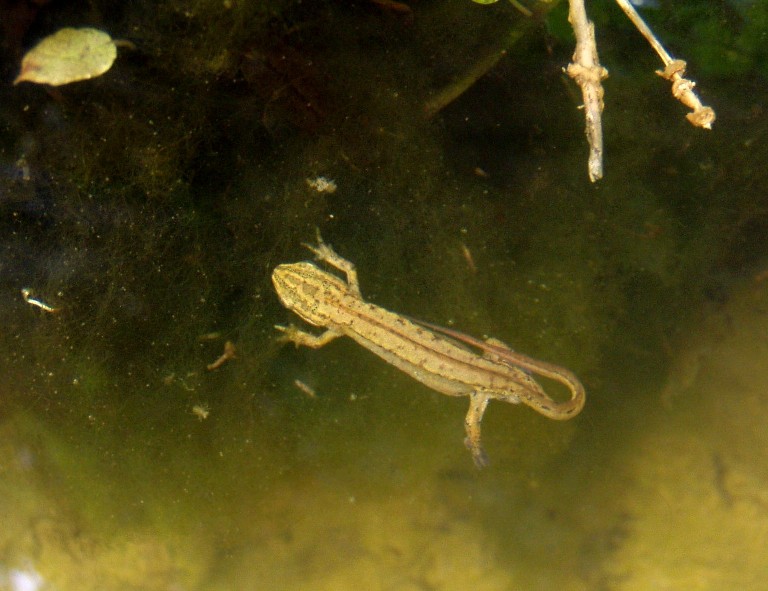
(156, 434)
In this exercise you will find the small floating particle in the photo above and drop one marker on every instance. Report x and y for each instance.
(201, 411)
(26, 293)
(467, 254)
(67, 56)
(229, 353)
(322, 185)
(209, 336)
(308, 390)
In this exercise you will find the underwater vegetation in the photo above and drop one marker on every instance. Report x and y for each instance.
(151, 203)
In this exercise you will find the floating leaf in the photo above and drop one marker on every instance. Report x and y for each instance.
(67, 56)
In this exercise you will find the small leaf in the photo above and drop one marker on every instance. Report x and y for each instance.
(67, 56)
(485, 1)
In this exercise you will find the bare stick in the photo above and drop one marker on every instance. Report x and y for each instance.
(674, 70)
(588, 74)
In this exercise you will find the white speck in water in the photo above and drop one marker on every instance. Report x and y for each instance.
(24, 580)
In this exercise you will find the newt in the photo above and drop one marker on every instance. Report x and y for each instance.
(440, 358)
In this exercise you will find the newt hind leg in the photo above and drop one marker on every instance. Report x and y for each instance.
(299, 337)
(478, 402)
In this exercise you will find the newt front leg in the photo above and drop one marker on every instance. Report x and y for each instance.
(325, 253)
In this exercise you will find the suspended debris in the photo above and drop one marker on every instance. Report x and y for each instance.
(67, 56)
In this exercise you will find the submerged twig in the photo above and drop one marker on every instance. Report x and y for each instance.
(674, 70)
(588, 74)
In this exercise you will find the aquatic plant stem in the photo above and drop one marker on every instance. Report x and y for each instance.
(453, 91)
(587, 72)
(485, 64)
(674, 70)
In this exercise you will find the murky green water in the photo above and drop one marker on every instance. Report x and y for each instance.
(149, 206)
